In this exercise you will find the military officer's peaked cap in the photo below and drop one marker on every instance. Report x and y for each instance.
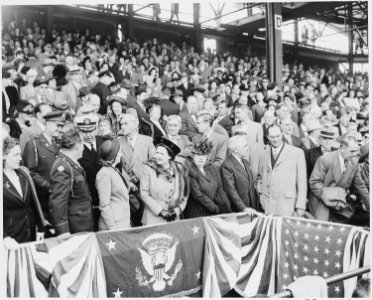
(85, 123)
(55, 116)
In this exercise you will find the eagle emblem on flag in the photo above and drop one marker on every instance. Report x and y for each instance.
(158, 253)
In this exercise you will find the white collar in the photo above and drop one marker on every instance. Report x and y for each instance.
(341, 160)
(239, 159)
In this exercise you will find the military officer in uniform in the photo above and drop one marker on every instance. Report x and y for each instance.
(70, 204)
(87, 125)
(39, 155)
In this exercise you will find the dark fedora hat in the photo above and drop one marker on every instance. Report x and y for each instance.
(171, 147)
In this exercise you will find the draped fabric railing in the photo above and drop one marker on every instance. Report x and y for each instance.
(259, 255)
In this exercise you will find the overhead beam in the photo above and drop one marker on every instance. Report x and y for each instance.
(274, 46)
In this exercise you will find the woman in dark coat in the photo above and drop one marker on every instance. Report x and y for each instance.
(207, 196)
(22, 211)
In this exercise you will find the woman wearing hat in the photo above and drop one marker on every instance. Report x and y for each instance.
(21, 208)
(117, 107)
(113, 189)
(207, 196)
(164, 185)
(20, 116)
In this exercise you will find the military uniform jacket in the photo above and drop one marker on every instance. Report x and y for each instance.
(70, 204)
(39, 156)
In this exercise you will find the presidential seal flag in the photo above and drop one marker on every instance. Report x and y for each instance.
(154, 261)
(158, 253)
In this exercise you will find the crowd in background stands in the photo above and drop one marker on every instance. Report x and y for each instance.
(207, 131)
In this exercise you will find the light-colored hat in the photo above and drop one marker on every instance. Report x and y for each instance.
(313, 125)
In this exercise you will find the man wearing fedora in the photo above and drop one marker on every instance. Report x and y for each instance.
(330, 182)
(327, 138)
(39, 154)
(87, 126)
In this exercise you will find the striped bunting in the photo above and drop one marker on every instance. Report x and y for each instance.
(259, 256)
(70, 267)
(21, 276)
(77, 268)
(222, 255)
(356, 255)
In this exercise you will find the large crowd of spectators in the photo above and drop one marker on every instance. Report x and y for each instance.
(103, 134)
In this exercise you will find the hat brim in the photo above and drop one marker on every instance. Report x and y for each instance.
(86, 128)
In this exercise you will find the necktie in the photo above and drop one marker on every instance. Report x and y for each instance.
(92, 148)
(344, 167)
(130, 139)
(275, 152)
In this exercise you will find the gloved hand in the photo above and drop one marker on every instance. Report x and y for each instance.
(165, 214)
(173, 215)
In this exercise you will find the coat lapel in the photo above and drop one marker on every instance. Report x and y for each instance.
(126, 148)
(336, 169)
(51, 147)
(282, 154)
(8, 185)
(137, 150)
(238, 166)
(268, 157)
(24, 185)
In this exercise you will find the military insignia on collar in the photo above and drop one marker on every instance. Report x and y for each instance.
(7, 185)
(158, 253)
(60, 168)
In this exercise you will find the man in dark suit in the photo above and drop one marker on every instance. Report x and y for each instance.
(102, 90)
(40, 154)
(326, 140)
(139, 105)
(188, 113)
(268, 121)
(168, 107)
(185, 86)
(258, 109)
(87, 126)
(288, 137)
(237, 177)
(223, 118)
(219, 142)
